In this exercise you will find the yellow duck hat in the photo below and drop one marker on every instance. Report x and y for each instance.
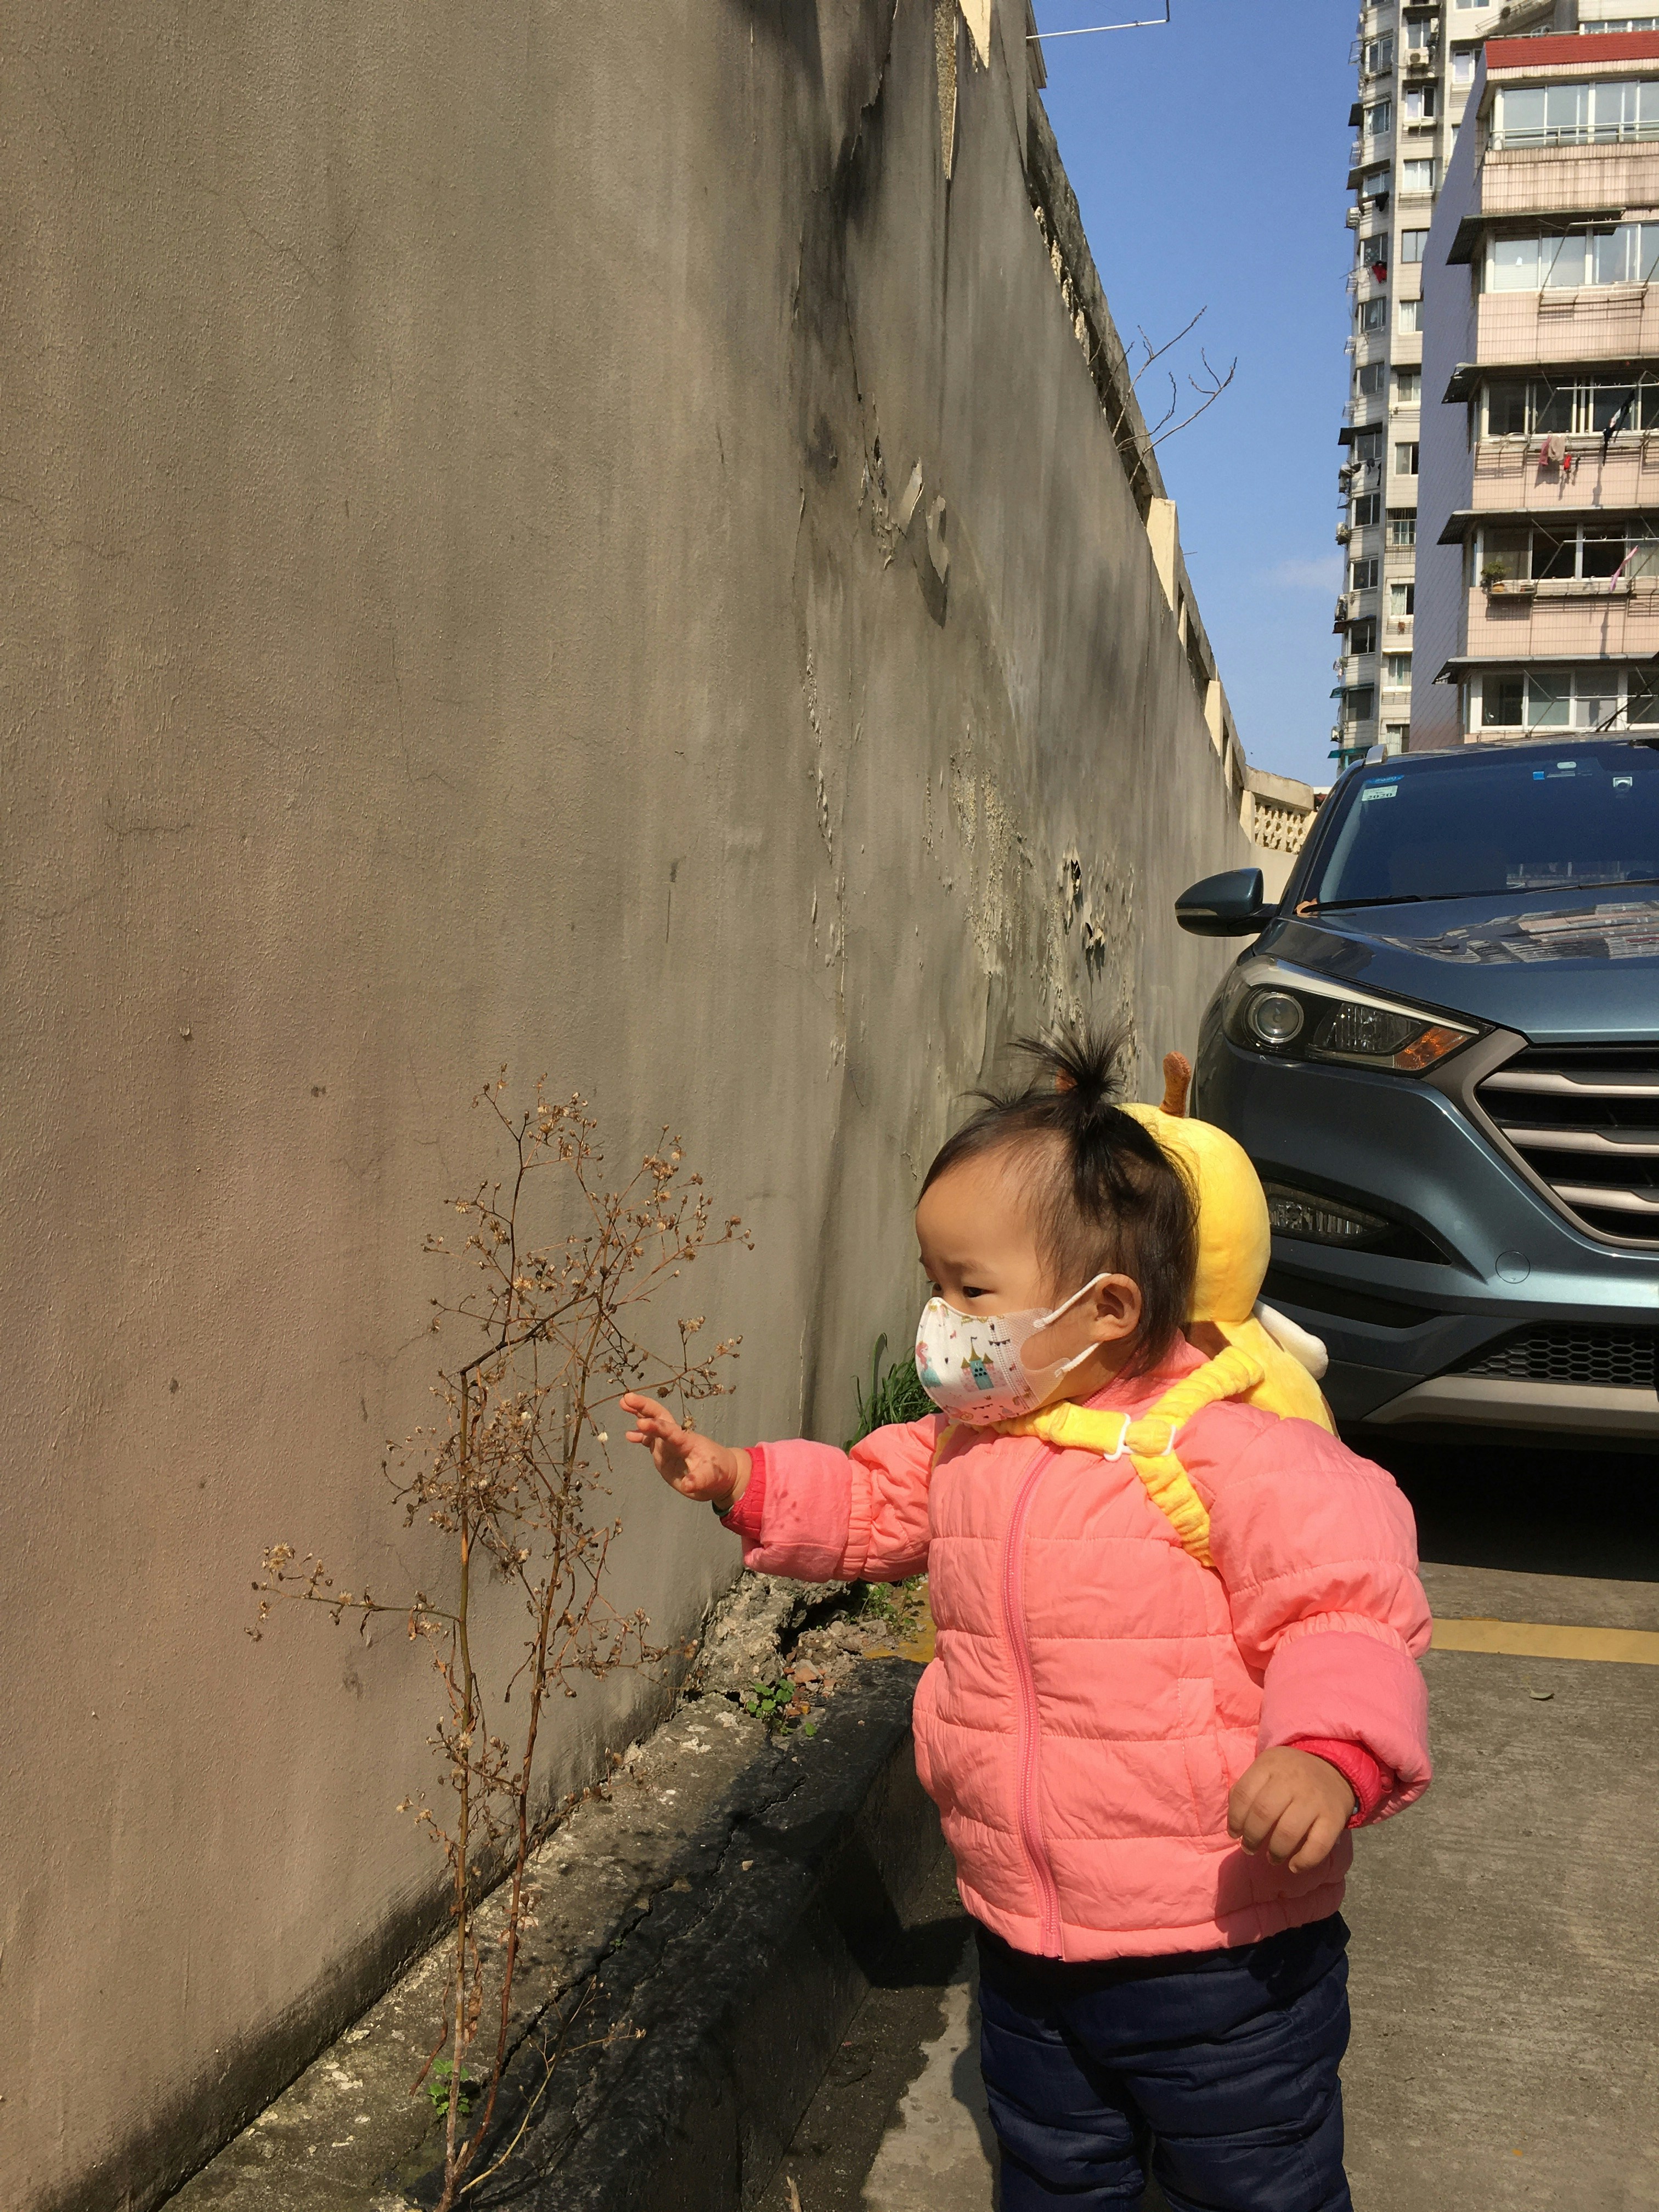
(1234, 1240)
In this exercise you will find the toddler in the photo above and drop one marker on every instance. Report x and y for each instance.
(1168, 1681)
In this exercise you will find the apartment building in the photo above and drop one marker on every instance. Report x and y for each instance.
(1417, 65)
(1537, 600)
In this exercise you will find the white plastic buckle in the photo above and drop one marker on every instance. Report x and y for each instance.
(1123, 1441)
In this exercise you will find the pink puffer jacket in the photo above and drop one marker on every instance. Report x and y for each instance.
(1096, 1692)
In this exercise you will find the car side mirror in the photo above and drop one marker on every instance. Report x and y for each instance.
(1227, 905)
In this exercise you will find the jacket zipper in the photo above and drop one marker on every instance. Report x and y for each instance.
(1014, 1612)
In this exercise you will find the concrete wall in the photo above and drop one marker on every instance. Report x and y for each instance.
(461, 609)
(1451, 304)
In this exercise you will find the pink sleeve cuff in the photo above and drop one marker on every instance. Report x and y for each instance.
(1368, 1779)
(1351, 1684)
(745, 1517)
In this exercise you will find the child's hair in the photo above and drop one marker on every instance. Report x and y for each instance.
(1106, 1197)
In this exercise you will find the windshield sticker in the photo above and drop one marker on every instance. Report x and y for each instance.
(1625, 931)
(1378, 791)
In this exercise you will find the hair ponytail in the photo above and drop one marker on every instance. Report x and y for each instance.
(1106, 1197)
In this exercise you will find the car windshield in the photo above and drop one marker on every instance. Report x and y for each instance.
(1531, 818)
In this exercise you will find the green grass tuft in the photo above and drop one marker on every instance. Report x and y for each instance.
(897, 1396)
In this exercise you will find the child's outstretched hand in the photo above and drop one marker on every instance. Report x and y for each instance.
(1292, 1802)
(695, 1466)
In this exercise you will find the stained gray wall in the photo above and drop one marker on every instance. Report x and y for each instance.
(1451, 304)
(456, 614)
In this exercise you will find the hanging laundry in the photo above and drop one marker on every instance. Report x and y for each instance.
(1548, 455)
(1379, 270)
(1617, 421)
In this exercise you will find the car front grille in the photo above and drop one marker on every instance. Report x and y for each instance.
(1585, 1118)
(1615, 1359)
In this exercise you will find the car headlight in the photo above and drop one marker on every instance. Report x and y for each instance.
(1287, 1014)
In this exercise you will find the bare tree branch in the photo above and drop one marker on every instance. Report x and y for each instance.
(1209, 394)
(1175, 401)
(1153, 352)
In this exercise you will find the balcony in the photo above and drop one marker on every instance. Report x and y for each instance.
(1602, 322)
(1510, 476)
(1543, 620)
(1559, 180)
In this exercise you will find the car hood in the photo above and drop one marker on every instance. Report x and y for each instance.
(1553, 965)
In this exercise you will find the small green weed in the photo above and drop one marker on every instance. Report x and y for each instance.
(779, 1704)
(897, 1396)
(437, 2088)
(899, 1605)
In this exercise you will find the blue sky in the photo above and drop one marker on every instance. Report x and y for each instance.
(1210, 162)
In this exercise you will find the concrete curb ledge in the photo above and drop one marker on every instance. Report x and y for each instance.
(720, 2010)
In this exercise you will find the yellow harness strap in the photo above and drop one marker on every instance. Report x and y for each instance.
(1150, 1440)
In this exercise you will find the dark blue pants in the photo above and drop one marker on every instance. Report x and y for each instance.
(1221, 2064)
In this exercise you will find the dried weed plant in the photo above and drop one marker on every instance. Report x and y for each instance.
(508, 1475)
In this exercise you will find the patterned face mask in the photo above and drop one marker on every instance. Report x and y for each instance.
(974, 1367)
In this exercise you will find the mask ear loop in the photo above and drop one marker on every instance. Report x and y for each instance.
(1049, 1318)
(1065, 1304)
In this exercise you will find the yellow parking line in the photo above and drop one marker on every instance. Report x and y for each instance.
(1536, 1639)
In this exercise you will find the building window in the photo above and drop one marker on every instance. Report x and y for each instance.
(1362, 575)
(1412, 243)
(1598, 697)
(1379, 119)
(1567, 552)
(1417, 176)
(1396, 671)
(1367, 509)
(1401, 600)
(1374, 256)
(1582, 406)
(1367, 446)
(1419, 103)
(1362, 635)
(1378, 57)
(1372, 315)
(1576, 114)
(1621, 23)
(1374, 186)
(1405, 458)
(1462, 65)
(1394, 736)
(1555, 261)
(1359, 702)
(1402, 528)
(1410, 316)
(1407, 387)
(1368, 379)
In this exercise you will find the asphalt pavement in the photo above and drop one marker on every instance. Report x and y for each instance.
(1504, 1978)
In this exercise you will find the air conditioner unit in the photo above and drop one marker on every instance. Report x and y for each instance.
(1343, 534)
(1352, 218)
